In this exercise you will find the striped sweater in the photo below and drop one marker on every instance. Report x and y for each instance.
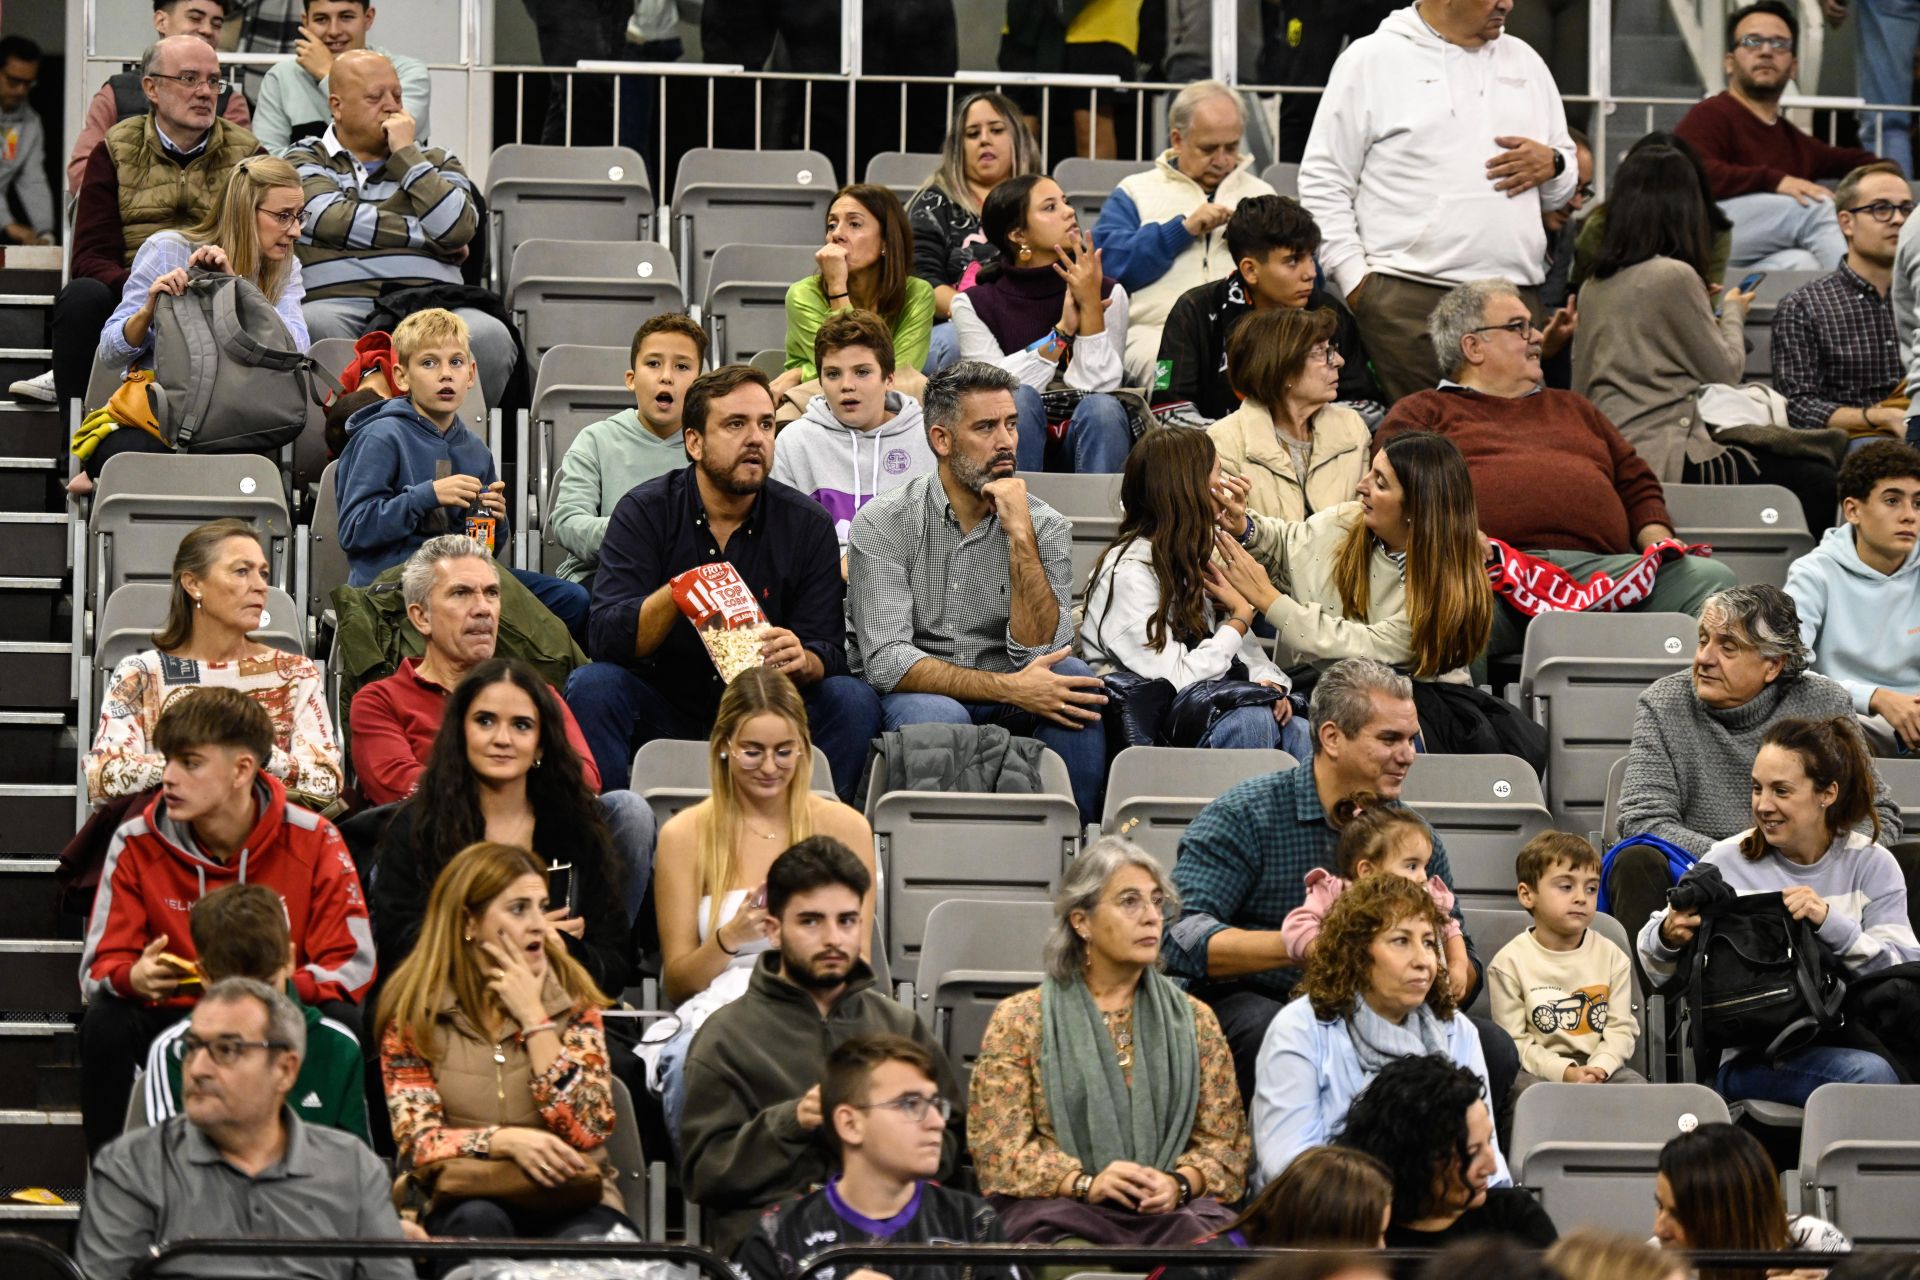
(365, 229)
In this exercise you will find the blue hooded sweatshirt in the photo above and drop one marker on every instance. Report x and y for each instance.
(384, 483)
(1862, 625)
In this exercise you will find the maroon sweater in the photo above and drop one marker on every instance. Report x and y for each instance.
(1550, 473)
(1744, 155)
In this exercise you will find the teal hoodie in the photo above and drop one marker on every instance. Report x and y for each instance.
(605, 461)
(1862, 625)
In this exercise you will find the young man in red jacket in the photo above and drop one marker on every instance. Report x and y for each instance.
(218, 820)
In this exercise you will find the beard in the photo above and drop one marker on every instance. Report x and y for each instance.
(728, 481)
(974, 475)
(1759, 92)
(804, 971)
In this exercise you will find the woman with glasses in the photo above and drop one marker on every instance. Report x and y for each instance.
(494, 1057)
(710, 878)
(1103, 1104)
(1298, 451)
(1650, 341)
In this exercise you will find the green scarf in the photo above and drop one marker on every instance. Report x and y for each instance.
(1097, 1119)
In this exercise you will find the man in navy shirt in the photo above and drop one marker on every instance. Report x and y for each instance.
(651, 676)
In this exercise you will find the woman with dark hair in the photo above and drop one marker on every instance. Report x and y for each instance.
(219, 596)
(1298, 451)
(1593, 227)
(1327, 1198)
(866, 264)
(1426, 1119)
(1153, 596)
(1650, 341)
(1376, 991)
(1813, 785)
(1043, 311)
(1717, 1189)
(502, 770)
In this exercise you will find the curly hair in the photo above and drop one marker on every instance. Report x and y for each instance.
(1412, 1118)
(1341, 963)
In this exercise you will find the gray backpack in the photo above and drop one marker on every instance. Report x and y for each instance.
(226, 378)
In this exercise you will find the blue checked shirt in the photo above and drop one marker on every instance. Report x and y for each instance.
(1243, 865)
(1834, 347)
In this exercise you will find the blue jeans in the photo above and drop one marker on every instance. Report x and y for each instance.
(1097, 441)
(1772, 232)
(1253, 727)
(1800, 1073)
(620, 711)
(567, 601)
(943, 348)
(1084, 750)
(630, 821)
(1887, 31)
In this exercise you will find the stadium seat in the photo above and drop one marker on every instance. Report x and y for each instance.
(326, 560)
(1860, 1161)
(576, 387)
(583, 292)
(1590, 1155)
(1092, 503)
(1154, 792)
(1580, 675)
(977, 953)
(745, 307)
(580, 193)
(1283, 177)
(672, 774)
(746, 197)
(551, 552)
(628, 1156)
(772, 361)
(1902, 777)
(1757, 530)
(144, 503)
(1610, 813)
(1087, 183)
(935, 845)
(1483, 808)
(1759, 326)
(904, 171)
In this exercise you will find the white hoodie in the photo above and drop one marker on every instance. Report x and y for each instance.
(843, 469)
(1861, 624)
(1395, 170)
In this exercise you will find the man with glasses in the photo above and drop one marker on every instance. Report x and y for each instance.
(23, 147)
(1835, 354)
(1765, 172)
(156, 172)
(883, 1113)
(239, 1162)
(751, 1132)
(294, 97)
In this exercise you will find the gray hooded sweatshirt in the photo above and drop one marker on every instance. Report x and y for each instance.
(843, 469)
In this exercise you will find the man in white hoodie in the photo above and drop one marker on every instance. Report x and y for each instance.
(1858, 594)
(859, 438)
(1439, 143)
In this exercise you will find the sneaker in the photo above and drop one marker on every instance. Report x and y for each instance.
(40, 388)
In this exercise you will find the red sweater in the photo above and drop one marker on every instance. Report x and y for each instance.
(155, 872)
(394, 722)
(1744, 155)
(1550, 473)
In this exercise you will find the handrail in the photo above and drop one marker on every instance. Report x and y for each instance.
(456, 1250)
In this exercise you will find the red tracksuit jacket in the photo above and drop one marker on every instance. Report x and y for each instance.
(155, 873)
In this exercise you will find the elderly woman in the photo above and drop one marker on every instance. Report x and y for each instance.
(1695, 734)
(1426, 1119)
(1812, 788)
(1375, 991)
(220, 581)
(1103, 1103)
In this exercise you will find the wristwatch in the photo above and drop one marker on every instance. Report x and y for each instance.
(1559, 162)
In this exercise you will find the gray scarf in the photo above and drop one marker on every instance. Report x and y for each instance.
(1097, 1118)
(1376, 1042)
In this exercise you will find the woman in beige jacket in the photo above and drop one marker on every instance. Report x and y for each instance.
(1298, 451)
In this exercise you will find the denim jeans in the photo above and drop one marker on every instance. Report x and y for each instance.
(1888, 31)
(1800, 1073)
(493, 350)
(565, 600)
(1772, 232)
(943, 348)
(1097, 439)
(1254, 727)
(630, 822)
(1084, 750)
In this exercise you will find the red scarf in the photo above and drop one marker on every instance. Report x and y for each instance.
(1535, 586)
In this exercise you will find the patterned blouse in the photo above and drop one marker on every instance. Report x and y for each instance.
(306, 754)
(1010, 1131)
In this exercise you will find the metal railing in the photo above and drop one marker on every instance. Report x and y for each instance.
(172, 1251)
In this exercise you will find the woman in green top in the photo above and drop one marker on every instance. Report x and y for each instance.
(867, 262)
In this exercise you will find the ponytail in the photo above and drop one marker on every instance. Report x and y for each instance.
(1834, 754)
(1370, 828)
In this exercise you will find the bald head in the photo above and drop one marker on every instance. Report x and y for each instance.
(184, 111)
(363, 89)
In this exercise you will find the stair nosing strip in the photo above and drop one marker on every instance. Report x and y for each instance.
(34, 1115)
(52, 719)
(27, 464)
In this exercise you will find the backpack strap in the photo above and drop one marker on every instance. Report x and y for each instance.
(1704, 1066)
(181, 414)
(232, 335)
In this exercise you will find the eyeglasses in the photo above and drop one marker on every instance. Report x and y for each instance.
(1518, 328)
(1324, 352)
(193, 80)
(754, 757)
(286, 220)
(1133, 904)
(226, 1051)
(1883, 210)
(1779, 44)
(1585, 191)
(914, 1106)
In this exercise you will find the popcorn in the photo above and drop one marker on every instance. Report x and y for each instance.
(722, 609)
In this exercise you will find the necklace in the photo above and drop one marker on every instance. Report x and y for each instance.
(1120, 1023)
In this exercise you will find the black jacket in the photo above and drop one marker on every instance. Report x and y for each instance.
(789, 1234)
(1193, 347)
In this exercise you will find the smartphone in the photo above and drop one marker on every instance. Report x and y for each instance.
(560, 887)
(1752, 281)
(757, 900)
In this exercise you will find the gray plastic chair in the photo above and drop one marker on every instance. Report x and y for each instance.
(1092, 504)
(672, 775)
(327, 566)
(628, 1156)
(144, 503)
(576, 387)
(551, 552)
(1590, 1154)
(1902, 776)
(1610, 815)
(580, 193)
(746, 300)
(135, 611)
(1483, 808)
(1580, 675)
(1153, 793)
(772, 361)
(1860, 1161)
(1492, 928)
(977, 952)
(904, 171)
(1757, 530)
(746, 197)
(1087, 183)
(583, 291)
(1284, 177)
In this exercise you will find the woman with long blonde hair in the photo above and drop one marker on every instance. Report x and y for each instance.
(492, 1047)
(710, 865)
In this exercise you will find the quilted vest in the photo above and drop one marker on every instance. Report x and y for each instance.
(1164, 192)
(158, 194)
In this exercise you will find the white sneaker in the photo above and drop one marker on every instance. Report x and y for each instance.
(40, 388)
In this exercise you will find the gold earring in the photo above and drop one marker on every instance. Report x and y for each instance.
(1025, 253)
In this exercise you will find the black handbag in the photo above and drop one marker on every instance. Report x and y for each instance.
(1757, 979)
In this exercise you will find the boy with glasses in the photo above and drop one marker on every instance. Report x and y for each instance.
(886, 1117)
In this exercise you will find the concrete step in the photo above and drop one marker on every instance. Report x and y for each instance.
(39, 1061)
(52, 1224)
(43, 977)
(34, 675)
(35, 609)
(36, 820)
(31, 483)
(32, 429)
(33, 546)
(37, 747)
(30, 903)
(43, 1148)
